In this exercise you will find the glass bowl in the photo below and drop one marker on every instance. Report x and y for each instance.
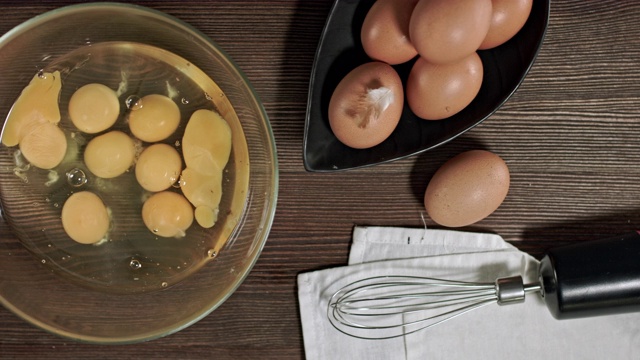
(134, 286)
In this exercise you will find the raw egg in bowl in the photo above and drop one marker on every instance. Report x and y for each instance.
(399, 34)
(139, 174)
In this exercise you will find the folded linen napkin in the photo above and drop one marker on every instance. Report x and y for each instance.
(518, 331)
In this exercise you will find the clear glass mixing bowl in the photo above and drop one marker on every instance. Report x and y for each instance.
(29, 286)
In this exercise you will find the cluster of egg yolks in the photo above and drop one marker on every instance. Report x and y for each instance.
(85, 217)
(154, 118)
(158, 167)
(94, 108)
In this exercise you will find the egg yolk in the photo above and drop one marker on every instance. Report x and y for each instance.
(44, 146)
(32, 122)
(204, 192)
(154, 118)
(94, 108)
(36, 105)
(206, 147)
(158, 167)
(85, 218)
(110, 155)
(167, 214)
(206, 144)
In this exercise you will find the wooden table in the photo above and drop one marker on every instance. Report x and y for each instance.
(569, 136)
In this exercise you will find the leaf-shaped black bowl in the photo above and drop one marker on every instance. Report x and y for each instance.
(340, 51)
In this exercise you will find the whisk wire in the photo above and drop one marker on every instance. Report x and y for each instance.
(351, 307)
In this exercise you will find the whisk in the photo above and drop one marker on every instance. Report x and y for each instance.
(579, 280)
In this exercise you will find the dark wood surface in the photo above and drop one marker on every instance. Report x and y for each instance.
(570, 136)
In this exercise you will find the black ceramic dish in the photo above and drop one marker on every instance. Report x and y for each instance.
(340, 51)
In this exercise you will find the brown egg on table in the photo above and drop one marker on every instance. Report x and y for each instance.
(438, 91)
(467, 188)
(366, 105)
(445, 31)
(508, 17)
(385, 31)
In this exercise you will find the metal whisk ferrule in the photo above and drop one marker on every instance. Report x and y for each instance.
(510, 290)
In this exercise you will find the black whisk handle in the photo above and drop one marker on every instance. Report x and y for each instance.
(593, 278)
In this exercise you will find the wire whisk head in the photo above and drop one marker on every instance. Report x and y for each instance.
(385, 307)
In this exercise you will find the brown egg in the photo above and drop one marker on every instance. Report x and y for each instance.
(445, 31)
(508, 17)
(467, 188)
(385, 31)
(366, 105)
(436, 92)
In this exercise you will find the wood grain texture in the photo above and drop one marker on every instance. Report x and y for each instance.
(569, 136)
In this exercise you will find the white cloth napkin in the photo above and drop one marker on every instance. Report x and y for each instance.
(519, 331)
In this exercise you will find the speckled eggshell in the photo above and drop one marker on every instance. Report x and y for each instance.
(508, 17)
(467, 188)
(356, 114)
(436, 92)
(445, 31)
(385, 31)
